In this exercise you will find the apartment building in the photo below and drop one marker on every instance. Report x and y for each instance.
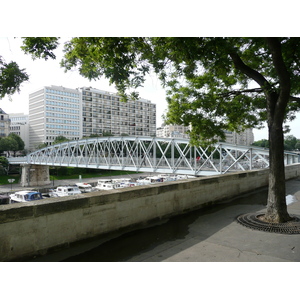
(173, 131)
(104, 112)
(20, 126)
(243, 138)
(82, 112)
(54, 111)
(4, 123)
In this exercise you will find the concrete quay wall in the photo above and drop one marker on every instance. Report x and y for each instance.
(43, 226)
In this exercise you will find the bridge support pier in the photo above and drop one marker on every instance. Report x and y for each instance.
(35, 175)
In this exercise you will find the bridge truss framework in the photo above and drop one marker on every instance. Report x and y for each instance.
(146, 154)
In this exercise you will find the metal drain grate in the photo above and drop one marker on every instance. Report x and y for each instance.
(252, 221)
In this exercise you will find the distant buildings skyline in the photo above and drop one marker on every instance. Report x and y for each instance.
(178, 131)
(82, 112)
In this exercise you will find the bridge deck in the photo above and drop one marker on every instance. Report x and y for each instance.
(146, 154)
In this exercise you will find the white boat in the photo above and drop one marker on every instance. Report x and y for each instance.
(179, 177)
(168, 177)
(149, 180)
(106, 184)
(84, 187)
(24, 196)
(124, 182)
(62, 191)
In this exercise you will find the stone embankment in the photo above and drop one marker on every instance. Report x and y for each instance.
(39, 227)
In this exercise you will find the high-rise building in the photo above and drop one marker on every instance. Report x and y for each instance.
(20, 126)
(54, 111)
(104, 112)
(76, 113)
(4, 123)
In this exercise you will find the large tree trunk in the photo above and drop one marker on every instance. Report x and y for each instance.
(276, 206)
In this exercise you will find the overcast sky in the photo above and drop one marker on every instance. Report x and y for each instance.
(43, 73)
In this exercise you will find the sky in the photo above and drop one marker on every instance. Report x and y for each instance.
(44, 73)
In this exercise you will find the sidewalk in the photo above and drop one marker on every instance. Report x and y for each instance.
(217, 237)
(211, 235)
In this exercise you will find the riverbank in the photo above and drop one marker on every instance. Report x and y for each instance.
(9, 188)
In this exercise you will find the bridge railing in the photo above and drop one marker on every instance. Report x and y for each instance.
(148, 154)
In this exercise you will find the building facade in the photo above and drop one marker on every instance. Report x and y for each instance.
(105, 113)
(77, 113)
(4, 123)
(243, 138)
(178, 131)
(173, 131)
(54, 111)
(20, 126)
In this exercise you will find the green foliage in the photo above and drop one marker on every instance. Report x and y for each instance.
(261, 143)
(3, 161)
(73, 173)
(41, 146)
(12, 142)
(290, 142)
(3, 165)
(4, 179)
(297, 146)
(40, 47)
(8, 144)
(60, 139)
(107, 133)
(19, 141)
(215, 84)
(11, 78)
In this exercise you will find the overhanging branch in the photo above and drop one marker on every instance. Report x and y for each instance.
(256, 76)
(239, 92)
(294, 99)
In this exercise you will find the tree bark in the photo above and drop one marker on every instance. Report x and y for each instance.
(276, 205)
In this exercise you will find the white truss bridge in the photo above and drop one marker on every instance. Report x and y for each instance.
(146, 154)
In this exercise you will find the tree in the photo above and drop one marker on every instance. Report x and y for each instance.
(261, 143)
(214, 84)
(4, 165)
(20, 143)
(297, 146)
(11, 78)
(8, 144)
(290, 142)
(12, 142)
(60, 139)
(40, 47)
(41, 146)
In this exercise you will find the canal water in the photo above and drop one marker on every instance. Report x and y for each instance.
(123, 248)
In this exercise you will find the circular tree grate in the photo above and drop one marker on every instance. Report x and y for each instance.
(253, 221)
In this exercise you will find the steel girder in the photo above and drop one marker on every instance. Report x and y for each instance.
(146, 154)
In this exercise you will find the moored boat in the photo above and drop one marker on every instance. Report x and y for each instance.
(149, 180)
(25, 196)
(106, 184)
(84, 187)
(124, 182)
(62, 191)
